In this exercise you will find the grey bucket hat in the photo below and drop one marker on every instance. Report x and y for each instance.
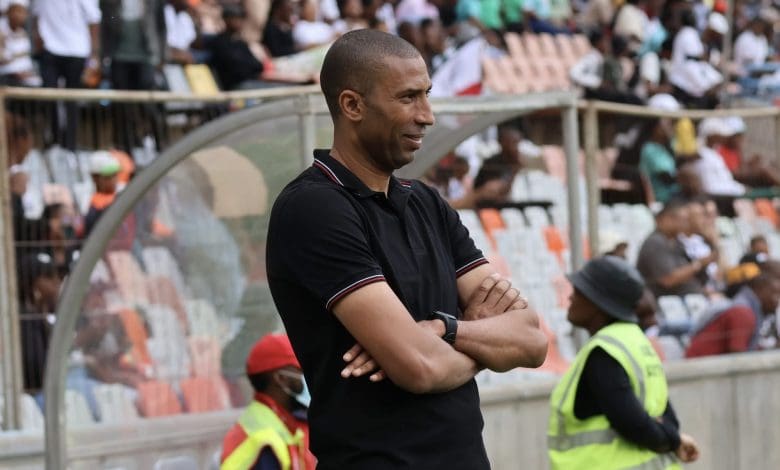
(612, 284)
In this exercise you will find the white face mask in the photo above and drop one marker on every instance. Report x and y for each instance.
(303, 397)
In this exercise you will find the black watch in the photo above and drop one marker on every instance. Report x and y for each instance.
(450, 325)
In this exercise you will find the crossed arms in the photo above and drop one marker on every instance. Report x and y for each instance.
(498, 331)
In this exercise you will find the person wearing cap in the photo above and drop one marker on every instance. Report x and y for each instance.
(755, 170)
(611, 408)
(715, 176)
(104, 169)
(272, 433)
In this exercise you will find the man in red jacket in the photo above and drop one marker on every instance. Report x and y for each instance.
(272, 433)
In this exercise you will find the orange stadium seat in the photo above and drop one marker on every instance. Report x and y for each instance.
(157, 398)
(130, 279)
(203, 394)
(137, 335)
(766, 210)
(491, 222)
(206, 356)
(554, 362)
(162, 291)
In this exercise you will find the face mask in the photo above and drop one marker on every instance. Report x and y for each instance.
(303, 397)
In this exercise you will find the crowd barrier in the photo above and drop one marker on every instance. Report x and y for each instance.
(278, 123)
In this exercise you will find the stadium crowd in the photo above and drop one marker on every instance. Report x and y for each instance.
(665, 54)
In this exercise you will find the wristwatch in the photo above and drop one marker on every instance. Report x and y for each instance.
(450, 325)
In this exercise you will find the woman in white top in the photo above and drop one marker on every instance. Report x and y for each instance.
(308, 31)
(752, 47)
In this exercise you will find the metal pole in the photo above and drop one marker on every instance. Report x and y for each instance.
(591, 137)
(9, 308)
(571, 147)
(777, 138)
(725, 58)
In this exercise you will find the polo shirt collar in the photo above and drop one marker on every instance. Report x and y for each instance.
(398, 191)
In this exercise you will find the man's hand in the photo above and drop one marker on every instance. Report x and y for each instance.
(688, 451)
(494, 296)
(360, 363)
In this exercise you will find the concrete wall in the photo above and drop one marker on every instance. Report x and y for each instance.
(729, 404)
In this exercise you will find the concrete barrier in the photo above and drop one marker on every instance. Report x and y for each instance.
(730, 404)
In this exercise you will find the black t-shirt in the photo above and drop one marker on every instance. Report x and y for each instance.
(329, 235)
(278, 39)
(233, 62)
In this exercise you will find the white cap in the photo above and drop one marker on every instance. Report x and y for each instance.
(609, 240)
(735, 124)
(718, 23)
(103, 163)
(713, 126)
(664, 102)
(6, 4)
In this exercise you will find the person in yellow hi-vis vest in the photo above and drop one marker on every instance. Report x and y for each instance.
(611, 409)
(272, 433)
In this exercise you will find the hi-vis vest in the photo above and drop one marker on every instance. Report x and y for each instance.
(264, 429)
(591, 444)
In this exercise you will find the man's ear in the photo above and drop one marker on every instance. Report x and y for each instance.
(352, 106)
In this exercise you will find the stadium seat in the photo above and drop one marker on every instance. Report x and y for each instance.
(77, 412)
(100, 273)
(159, 261)
(202, 318)
(129, 277)
(696, 304)
(201, 80)
(765, 209)
(674, 312)
(137, 335)
(206, 356)
(157, 398)
(204, 394)
(31, 416)
(491, 223)
(167, 344)
(115, 403)
(162, 291)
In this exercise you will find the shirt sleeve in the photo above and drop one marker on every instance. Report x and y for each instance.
(91, 11)
(317, 239)
(465, 254)
(611, 389)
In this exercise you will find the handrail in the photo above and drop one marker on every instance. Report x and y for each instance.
(645, 111)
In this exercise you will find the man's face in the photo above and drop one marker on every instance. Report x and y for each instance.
(396, 113)
(581, 310)
(696, 218)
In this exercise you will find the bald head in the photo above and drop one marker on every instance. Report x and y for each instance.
(355, 61)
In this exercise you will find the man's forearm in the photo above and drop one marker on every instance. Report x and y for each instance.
(454, 370)
(503, 342)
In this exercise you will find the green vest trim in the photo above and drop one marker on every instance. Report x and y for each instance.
(591, 443)
(263, 429)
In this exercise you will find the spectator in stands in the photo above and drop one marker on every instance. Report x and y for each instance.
(180, 32)
(612, 244)
(662, 260)
(696, 82)
(653, 71)
(410, 33)
(631, 23)
(700, 241)
(752, 47)
(134, 40)
(597, 15)
(537, 15)
(60, 236)
(231, 59)
(600, 72)
(657, 160)
(39, 289)
(735, 326)
(492, 186)
(476, 17)
(434, 44)
(278, 33)
(272, 433)
(415, 11)
(257, 17)
(16, 64)
(351, 18)
(640, 426)
(755, 171)
(104, 169)
(715, 176)
(509, 160)
(68, 34)
(309, 31)
(758, 251)
(689, 185)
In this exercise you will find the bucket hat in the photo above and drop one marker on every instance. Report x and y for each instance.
(612, 284)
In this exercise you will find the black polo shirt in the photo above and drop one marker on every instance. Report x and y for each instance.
(329, 235)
